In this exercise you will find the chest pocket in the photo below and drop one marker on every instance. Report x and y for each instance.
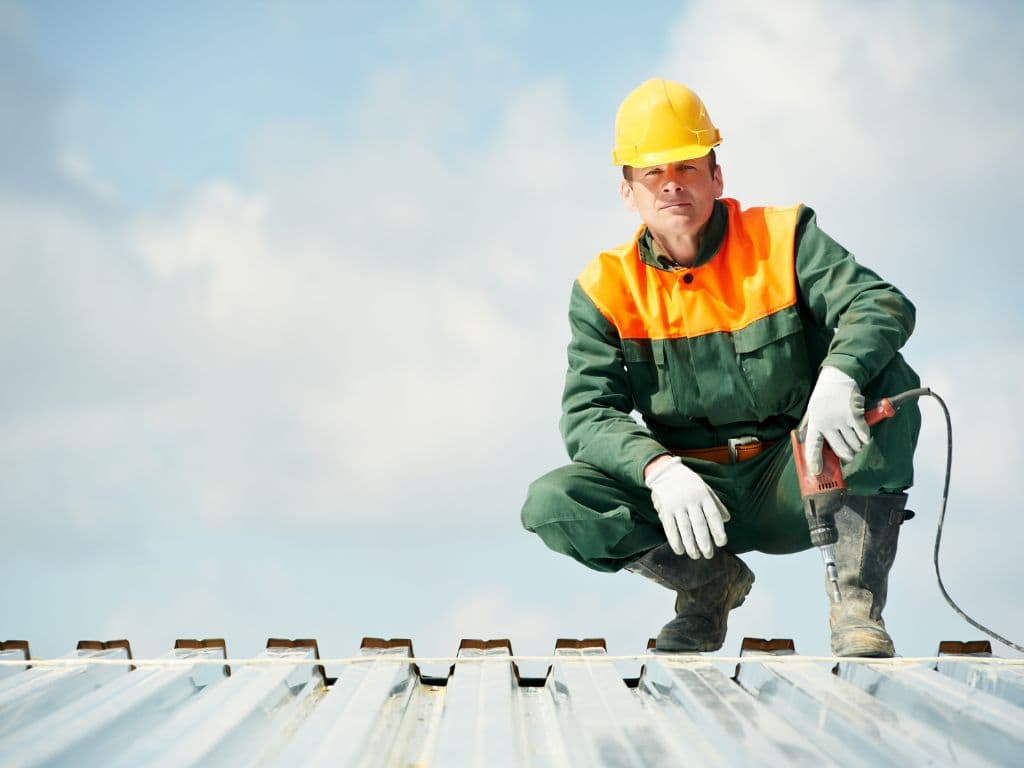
(772, 354)
(648, 377)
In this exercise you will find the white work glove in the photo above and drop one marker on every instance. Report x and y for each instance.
(835, 413)
(690, 512)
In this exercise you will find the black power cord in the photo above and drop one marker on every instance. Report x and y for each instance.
(942, 515)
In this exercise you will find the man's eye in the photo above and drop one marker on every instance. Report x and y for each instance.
(653, 172)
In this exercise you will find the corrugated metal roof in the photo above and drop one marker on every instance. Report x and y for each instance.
(768, 707)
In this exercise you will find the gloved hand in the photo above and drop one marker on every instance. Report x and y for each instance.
(835, 413)
(690, 512)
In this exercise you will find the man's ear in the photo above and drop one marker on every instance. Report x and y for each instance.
(719, 181)
(626, 193)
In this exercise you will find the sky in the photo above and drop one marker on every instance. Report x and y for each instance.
(283, 291)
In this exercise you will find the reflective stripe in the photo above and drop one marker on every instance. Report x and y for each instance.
(751, 277)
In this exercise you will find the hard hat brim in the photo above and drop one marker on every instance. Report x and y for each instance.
(674, 155)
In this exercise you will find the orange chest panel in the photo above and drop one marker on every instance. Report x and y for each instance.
(752, 276)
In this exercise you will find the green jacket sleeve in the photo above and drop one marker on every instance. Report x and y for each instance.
(597, 400)
(871, 318)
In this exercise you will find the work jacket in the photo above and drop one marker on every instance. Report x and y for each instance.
(728, 347)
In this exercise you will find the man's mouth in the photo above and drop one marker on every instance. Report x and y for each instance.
(676, 204)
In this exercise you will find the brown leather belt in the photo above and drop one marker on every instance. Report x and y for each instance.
(736, 450)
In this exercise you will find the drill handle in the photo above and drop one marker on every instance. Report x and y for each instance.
(887, 406)
(877, 411)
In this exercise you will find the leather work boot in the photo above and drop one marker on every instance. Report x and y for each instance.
(868, 528)
(706, 590)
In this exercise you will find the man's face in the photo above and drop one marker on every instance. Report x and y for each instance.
(674, 198)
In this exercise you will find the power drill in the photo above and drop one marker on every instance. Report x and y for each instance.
(824, 494)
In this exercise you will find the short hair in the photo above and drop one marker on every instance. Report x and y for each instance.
(627, 170)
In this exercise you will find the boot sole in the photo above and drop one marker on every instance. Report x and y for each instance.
(867, 642)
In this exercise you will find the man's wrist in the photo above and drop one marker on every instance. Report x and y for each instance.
(656, 464)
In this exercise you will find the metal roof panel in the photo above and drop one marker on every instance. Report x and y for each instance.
(97, 706)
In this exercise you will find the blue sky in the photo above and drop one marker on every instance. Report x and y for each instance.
(284, 289)
(169, 96)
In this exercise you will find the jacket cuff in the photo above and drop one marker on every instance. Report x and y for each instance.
(652, 452)
(848, 365)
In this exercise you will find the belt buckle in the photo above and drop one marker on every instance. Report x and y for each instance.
(734, 443)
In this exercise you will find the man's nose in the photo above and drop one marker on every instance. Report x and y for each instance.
(673, 181)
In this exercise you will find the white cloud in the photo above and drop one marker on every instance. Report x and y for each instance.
(219, 229)
(490, 614)
(78, 169)
(354, 325)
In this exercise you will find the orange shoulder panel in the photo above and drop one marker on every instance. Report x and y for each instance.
(752, 276)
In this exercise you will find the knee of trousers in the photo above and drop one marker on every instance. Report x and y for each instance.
(546, 512)
(546, 500)
(579, 511)
(579, 492)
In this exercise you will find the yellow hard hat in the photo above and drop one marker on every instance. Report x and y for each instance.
(662, 122)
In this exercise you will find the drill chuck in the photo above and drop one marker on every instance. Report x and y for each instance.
(828, 555)
(823, 535)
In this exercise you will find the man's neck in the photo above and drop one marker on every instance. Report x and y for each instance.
(682, 249)
(665, 252)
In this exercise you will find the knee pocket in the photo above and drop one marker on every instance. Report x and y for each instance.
(548, 499)
(543, 497)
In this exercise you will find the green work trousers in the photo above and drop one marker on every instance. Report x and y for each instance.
(580, 511)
